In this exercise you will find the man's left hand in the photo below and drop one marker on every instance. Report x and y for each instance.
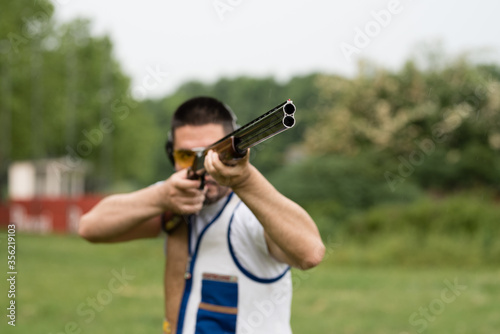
(233, 175)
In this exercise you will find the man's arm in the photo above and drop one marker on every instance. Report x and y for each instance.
(136, 215)
(291, 234)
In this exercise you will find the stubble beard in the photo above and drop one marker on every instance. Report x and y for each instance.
(215, 192)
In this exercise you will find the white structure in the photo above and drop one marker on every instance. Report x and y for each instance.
(49, 178)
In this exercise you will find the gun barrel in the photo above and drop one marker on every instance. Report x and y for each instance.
(275, 121)
(235, 144)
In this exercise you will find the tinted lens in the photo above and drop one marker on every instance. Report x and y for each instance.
(184, 158)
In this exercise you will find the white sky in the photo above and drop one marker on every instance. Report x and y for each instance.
(282, 38)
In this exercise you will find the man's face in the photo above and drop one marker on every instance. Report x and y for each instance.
(188, 137)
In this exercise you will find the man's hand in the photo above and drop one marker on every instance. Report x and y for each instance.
(234, 175)
(181, 195)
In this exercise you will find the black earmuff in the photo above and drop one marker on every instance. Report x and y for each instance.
(169, 148)
(234, 119)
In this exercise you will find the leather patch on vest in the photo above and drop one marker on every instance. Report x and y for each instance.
(218, 308)
(220, 278)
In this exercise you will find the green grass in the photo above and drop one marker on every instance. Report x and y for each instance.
(58, 274)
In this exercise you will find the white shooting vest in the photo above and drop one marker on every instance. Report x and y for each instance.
(221, 296)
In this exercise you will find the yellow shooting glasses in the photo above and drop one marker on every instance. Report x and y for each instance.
(184, 158)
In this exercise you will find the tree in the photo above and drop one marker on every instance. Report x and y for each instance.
(64, 94)
(428, 120)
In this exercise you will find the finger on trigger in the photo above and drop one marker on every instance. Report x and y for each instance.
(188, 184)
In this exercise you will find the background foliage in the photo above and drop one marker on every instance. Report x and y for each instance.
(400, 169)
(384, 143)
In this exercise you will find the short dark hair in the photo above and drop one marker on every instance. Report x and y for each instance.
(203, 110)
(200, 111)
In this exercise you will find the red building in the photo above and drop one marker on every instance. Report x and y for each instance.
(46, 196)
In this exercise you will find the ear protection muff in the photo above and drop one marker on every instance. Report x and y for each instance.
(169, 148)
(169, 145)
(234, 119)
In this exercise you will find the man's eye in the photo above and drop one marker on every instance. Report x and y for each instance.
(186, 155)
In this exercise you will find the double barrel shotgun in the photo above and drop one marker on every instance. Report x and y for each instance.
(235, 146)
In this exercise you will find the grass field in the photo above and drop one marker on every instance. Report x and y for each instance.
(66, 285)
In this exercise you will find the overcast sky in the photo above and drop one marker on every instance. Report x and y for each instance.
(209, 39)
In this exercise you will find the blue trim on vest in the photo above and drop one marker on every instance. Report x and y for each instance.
(238, 264)
(189, 282)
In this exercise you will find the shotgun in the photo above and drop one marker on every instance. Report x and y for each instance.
(235, 145)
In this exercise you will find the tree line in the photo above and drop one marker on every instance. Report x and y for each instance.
(380, 135)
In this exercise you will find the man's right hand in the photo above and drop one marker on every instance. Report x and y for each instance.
(134, 215)
(180, 195)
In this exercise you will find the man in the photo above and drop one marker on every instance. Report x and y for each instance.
(227, 268)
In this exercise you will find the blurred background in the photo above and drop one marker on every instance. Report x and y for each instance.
(395, 154)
